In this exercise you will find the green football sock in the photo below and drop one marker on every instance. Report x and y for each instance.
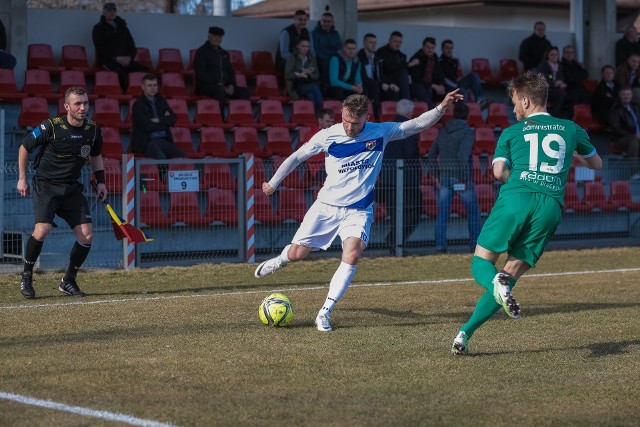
(483, 271)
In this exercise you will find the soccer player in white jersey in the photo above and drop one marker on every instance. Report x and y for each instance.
(353, 157)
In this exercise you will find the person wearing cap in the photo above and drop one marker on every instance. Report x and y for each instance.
(214, 74)
(115, 48)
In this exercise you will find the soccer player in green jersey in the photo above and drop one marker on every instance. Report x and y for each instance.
(532, 160)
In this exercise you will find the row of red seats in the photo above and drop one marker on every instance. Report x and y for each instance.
(74, 57)
(221, 207)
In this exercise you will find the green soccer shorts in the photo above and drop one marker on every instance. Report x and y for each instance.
(521, 224)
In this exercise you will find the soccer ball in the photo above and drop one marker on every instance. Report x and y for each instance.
(276, 310)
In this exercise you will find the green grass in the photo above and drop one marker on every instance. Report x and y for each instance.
(185, 346)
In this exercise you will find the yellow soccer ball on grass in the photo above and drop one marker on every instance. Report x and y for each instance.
(276, 310)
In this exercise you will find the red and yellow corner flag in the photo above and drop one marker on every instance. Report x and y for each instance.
(123, 229)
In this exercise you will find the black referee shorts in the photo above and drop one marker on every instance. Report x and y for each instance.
(63, 199)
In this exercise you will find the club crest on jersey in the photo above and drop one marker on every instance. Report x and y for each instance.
(370, 144)
(85, 150)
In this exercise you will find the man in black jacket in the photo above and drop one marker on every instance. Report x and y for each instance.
(214, 74)
(7, 61)
(427, 78)
(394, 65)
(373, 83)
(115, 48)
(533, 48)
(624, 120)
(289, 38)
(152, 119)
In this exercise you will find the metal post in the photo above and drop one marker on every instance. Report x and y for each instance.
(399, 210)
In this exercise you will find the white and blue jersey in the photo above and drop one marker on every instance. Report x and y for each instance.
(352, 164)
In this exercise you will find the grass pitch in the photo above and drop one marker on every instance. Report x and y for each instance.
(184, 346)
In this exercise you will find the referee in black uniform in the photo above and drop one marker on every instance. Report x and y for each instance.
(65, 144)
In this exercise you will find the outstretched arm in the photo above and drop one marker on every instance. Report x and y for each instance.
(431, 117)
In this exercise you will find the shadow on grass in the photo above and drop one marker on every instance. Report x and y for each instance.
(600, 349)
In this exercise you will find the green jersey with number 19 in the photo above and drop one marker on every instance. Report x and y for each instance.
(539, 152)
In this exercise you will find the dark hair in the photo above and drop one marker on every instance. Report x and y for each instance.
(357, 105)
(532, 85)
(74, 90)
(300, 12)
(366, 36)
(429, 40)
(302, 39)
(460, 111)
(445, 42)
(604, 67)
(349, 41)
(396, 33)
(328, 14)
(149, 78)
(327, 112)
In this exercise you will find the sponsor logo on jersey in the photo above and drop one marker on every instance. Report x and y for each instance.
(542, 179)
(370, 144)
(535, 126)
(355, 165)
(43, 127)
(75, 136)
(85, 150)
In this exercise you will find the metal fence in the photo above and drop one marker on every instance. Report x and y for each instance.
(195, 210)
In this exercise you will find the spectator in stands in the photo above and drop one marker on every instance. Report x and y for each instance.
(214, 75)
(427, 78)
(65, 145)
(7, 61)
(152, 119)
(302, 74)
(115, 47)
(604, 96)
(533, 48)
(327, 42)
(574, 75)
(373, 84)
(628, 74)
(450, 68)
(406, 149)
(624, 120)
(344, 73)
(551, 69)
(395, 69)
(627, 45)
(452, 150)
(289, 36)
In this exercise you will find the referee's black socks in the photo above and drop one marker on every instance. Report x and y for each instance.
(77, 256)
(31, 253)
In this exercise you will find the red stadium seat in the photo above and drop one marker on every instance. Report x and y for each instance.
(594, 197)
(9, 88)
(583, 117)
(263, 209)
(482, 67)
(271, 113)
(293, 180)
(189, 71)
(419, 108)
(336, 106)
(208, 114)
(112, 173)
(184, 209)
(572, 202)
(480, 175)
(135, 83)
(241, 80)
(107, 85)
(267, 88)
(590, 85)
(303, 113)
(245, 140)
(40, 56)
(262, 63)
(182, 139)
(33, 111)
(213, 142)
(218, 175)
(484, 141)
(106, 112)
(70, 78)
(486, 197)
(179, 106)
(221, 207)
(151, 214)
(497, 116)
(173, 86)
(38, 83)
(74, 57)
(304, 134)
(279, 141)
(111, 143)
(241, 114)
(150, 178)
(621, 196)
(388, 111)
(169, 60)
(236, 57)
(143, 56)
(292, 204)
(475, 119)
(508, 70)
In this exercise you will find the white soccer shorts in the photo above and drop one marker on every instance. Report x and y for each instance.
(323, 223)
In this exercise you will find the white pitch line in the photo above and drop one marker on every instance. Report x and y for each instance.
(104, 415)
(303, 289)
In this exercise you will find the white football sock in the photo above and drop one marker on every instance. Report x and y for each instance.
(338, 286)
(283, 256)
